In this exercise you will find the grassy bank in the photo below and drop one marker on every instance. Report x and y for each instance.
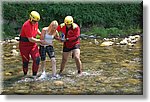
(111, 32)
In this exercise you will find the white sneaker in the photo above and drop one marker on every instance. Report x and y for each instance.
(34, 78)
(80, 75)
(43, 76)
(57, 76)
(54, 78)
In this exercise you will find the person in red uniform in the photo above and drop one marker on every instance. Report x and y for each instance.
(71, 43)
(28, 43)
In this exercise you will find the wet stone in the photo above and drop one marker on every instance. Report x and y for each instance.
(133, 81)
(22, 92)
(58, 83)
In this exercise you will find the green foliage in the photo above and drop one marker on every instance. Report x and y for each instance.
(99, 31)
(113, 32)
(117, 15)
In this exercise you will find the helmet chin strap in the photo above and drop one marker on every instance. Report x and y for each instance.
(69, 26)
(30, 20)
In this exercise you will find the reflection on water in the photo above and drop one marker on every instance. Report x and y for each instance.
(116, 69)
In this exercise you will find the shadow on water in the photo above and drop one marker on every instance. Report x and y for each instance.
(9, 82)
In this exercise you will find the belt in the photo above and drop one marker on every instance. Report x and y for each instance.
(24, 39)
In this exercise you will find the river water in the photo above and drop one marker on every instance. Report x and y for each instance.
(111, 70)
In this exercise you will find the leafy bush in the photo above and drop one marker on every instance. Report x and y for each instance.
(107, 15)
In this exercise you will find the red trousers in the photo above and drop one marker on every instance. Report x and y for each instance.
(27, 49)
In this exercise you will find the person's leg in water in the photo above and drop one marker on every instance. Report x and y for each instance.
(43, 75)
(76, 54)
(24, 51)
(63, 62)
(51, 54)
(43, 57)
(25, 61)
(36, 60)
(53, 61)
(43, 62)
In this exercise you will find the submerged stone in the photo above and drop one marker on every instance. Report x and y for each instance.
(58, 83)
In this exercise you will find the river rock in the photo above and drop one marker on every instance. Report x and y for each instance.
(133, 81)
(8, 74)
(96, 42)
(14, 52)
(124, 41)
(22, 92)
(58, 83)
(12, 41)
(107, 43)
(14, 46)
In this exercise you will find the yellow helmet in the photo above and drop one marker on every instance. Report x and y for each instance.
(34, 16)
(68, 20)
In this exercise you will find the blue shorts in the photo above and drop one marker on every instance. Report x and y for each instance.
(46, 49)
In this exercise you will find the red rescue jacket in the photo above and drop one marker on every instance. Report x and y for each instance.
(72, 34)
